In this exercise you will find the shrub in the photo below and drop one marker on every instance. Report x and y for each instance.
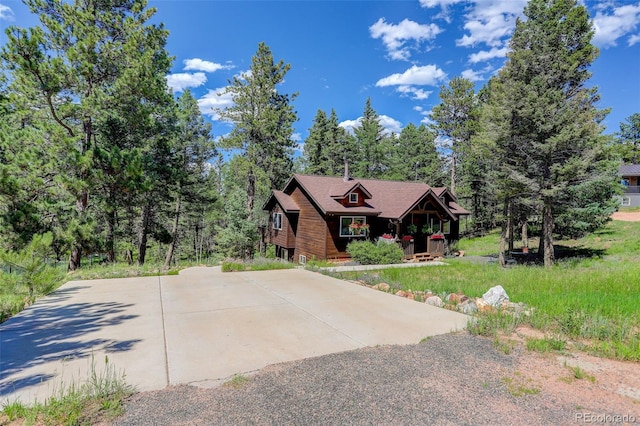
(232, 266)
(380, 253)
(25, 275)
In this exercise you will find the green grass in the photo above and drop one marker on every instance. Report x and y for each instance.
(14, 298)
(256, 264)
(547, 344)
(592, 293)
(237, 381)
(99, 398)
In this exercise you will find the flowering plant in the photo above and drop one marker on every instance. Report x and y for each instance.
(387, 236)
(359, 228)
(437, 237)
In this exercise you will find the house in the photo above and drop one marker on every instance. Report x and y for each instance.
(317, 216)
(630, 175)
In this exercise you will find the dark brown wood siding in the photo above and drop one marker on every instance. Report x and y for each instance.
(361, 199)
(284, 237)
(311, 229)
(337, 245)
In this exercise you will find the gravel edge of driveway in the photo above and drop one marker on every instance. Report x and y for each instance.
(452, 379)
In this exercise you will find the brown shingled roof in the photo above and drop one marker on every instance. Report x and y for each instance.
(389, 199)
(287, 204)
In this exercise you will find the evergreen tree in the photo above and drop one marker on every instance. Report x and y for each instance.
(414, 156)
(369, 137)
(315, 146)
(628, 141)
(328, 146)
(193, 147)
(456, 119)
(78, 64)
(554, 139)
(263, 119)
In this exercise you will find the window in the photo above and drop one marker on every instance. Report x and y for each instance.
(302, 259)
(353, 198)
(446, 227)
(626, 201)
(353, 226)
(277, 221)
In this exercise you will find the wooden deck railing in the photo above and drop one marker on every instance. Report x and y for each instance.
(407, 247)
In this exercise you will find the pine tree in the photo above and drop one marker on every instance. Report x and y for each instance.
(554, 139)
(628, 139)
(193, 147)
(328, 146)
(369, 135)
(456, 119)
(263, 119)
(413, 156)
(84, 60)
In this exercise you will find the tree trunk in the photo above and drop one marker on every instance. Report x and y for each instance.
(503, 234)
(75, 257)
(453, 173)
(510, 227)
(251, 193)
(142, 237)
(525, 235)
(111, 232)
(172, 245)
(547, 234)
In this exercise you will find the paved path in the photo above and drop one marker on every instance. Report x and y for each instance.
(200, 327)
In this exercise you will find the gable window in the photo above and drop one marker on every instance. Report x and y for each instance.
(277, 221)
(353, 198)
(353, 226)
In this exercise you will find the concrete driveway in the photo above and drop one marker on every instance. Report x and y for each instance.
(200, 328)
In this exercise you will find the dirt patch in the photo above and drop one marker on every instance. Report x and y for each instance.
(593, 385)
(626, 216)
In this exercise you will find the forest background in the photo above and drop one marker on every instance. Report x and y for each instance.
(99, 159)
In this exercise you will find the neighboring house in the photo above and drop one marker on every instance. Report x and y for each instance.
(630, 174)
(317, 216)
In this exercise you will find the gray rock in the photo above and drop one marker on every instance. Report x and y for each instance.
(468, 307)
(495, 296)
(434, 301)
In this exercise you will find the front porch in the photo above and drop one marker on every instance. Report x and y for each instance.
(432, 248)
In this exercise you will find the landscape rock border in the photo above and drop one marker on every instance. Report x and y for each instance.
(495, 300)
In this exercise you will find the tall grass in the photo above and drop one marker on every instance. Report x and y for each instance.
(592, 293)
(98, 398)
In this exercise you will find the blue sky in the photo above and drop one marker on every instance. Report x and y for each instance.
(397, 53)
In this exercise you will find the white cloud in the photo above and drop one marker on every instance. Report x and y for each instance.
(472, 75)
(429, 75)
(395, 37)
(612, 24)
(414, 92)
(213, 101)
(485, 55)
(349, 125)
(441, 3)
(490, 22)
(390, 125)
(6, 13)
(634, 39)
(180, 81)
(197, 64)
